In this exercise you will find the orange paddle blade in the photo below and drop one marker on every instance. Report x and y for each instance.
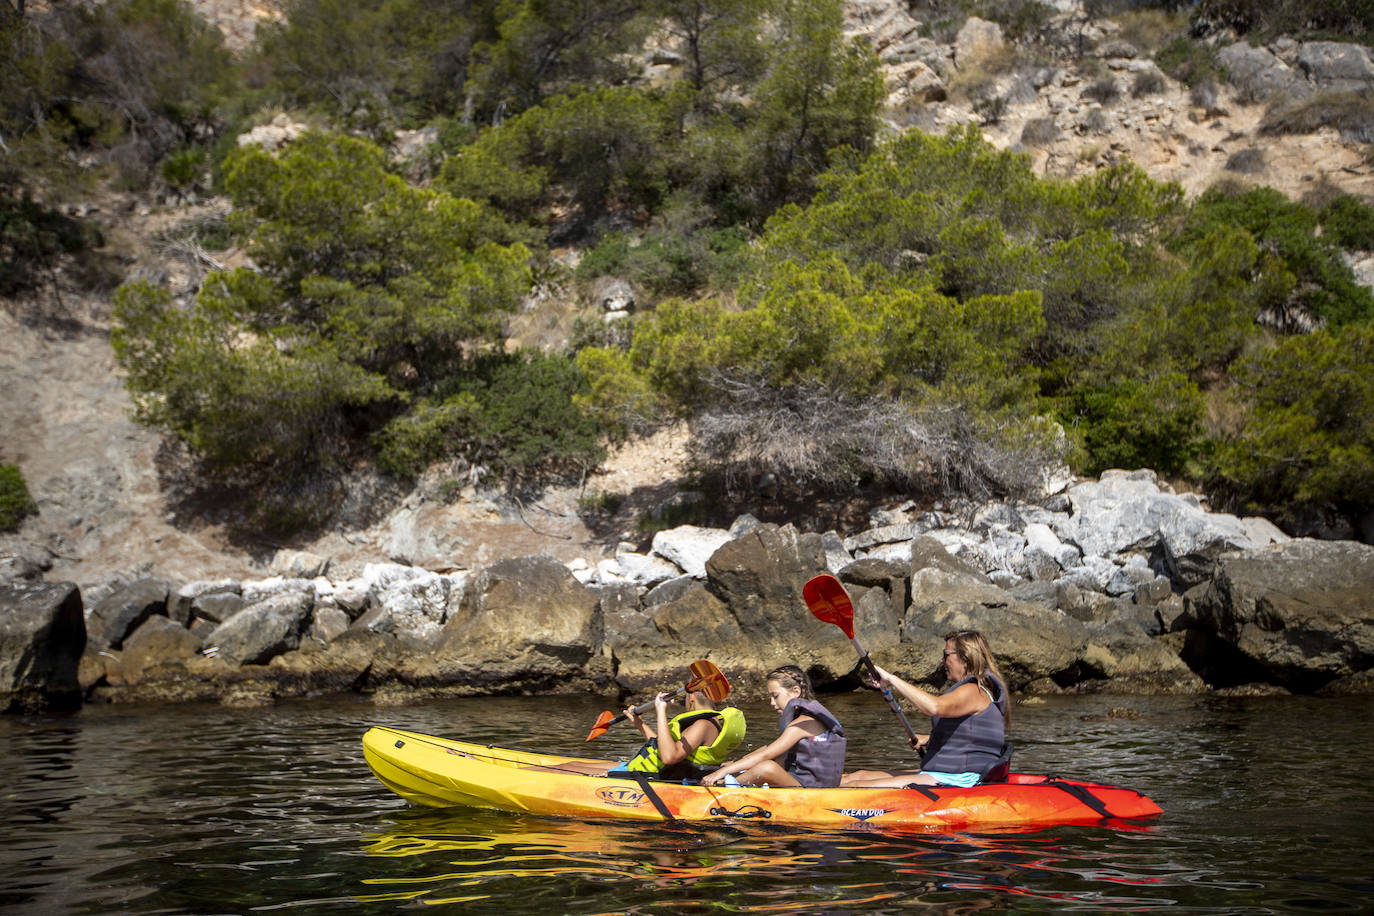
(603, 724)
(828, 601)
(709, 679)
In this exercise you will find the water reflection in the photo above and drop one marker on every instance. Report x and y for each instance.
(767, 870)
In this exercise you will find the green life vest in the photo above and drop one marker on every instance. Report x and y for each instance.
(705, 758)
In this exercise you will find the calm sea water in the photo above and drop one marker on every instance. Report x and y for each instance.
(200, 809)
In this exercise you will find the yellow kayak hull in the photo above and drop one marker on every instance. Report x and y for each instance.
(442, 772)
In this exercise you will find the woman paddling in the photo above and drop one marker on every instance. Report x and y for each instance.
(968, 721)
(809, 751)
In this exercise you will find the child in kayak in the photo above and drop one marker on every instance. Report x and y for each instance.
(688, 746)
(968, 721)
(809, 751)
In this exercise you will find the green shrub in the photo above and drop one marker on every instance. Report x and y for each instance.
(1151, 423)
(15, 502)
(1300, 266)
(1189, 61)
(34, 238)
(679, 254)
(1338, 20)
(123, 82)
(367, 294)
(1307, 440)
(600, 502)
(184, 168)
(1019, 19)
(1349, 222)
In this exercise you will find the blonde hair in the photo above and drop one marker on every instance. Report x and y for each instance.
(976, 654)
(791, 676)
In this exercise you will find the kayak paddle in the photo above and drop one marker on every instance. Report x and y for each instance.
(706, 677)
(828, 602)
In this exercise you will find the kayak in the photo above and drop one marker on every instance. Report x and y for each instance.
(441, 772)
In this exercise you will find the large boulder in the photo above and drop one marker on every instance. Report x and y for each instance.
(689, 547)
(1125, 512)
(42, 637)
(412, 604)
(262, 630)
(654, 647)
(977, 40)
(1337, 66)
(180, 602)
(1029, 640)
(760, 577)
(1300, 610)
(1260, 75)
(121, 612)
(158, 642)
(1121, 658)
(526, 623)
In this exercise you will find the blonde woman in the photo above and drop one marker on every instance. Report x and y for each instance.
(968, 721)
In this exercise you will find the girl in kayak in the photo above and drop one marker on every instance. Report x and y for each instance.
(809, 751)
(968, 721)
(688, 746)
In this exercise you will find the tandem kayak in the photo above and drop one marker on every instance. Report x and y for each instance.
(440, 773)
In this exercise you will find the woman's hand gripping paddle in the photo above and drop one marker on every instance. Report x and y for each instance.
(706, 677)
(828, 602)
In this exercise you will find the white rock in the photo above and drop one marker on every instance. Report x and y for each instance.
(689, 547)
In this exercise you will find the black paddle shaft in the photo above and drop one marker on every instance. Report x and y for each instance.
(887, 693)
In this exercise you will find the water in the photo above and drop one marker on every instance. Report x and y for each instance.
(200, 809)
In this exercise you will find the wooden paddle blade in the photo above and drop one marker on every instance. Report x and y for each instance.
(710, 680)
(603, 725)
(828, 601)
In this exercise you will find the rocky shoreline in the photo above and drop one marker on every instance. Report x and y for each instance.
(1115, 585)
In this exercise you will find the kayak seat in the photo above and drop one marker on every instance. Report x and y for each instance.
(1002, 768)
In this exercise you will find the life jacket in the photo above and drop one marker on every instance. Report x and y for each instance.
(972, 743)
(816, 760)
(700, 761)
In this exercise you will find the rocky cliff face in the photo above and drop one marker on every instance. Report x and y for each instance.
(101, 483)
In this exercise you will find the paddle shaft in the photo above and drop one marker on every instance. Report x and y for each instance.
(886, 691)
(645, 707)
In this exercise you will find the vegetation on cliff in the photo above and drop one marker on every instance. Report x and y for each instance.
(826, 305)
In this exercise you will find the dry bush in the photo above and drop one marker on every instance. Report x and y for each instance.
(1322, 193)
(1039, 132)
(1205, 94)
(1348, 112)
(1150, 29)
(1148, 82)
(1096, 122)
(1104, 91)
(815, 436)
(1248, 161)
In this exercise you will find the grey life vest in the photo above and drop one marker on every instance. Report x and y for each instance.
(817, 760)
(969, 744)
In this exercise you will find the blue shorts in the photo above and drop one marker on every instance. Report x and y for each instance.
(962, 780)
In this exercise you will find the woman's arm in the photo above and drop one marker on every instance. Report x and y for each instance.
(962, 701)
(801, 727)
